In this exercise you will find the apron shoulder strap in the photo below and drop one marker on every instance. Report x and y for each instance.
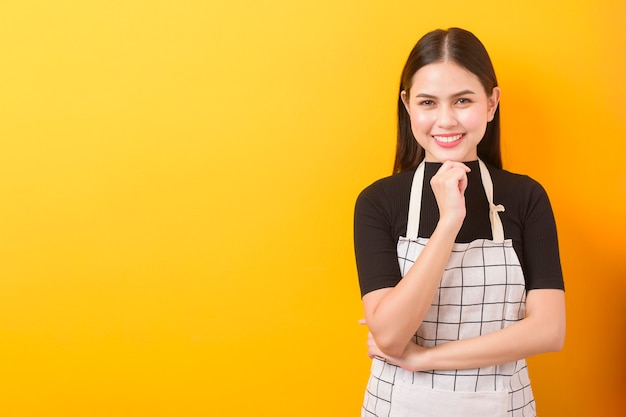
(415, 203)
(497, 230)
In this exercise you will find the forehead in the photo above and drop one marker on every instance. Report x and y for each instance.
(443, 78)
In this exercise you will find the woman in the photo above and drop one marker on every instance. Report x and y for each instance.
(458, 259)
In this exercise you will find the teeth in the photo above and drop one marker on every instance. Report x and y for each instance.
(447, 139)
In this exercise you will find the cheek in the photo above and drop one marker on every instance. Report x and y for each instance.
(474, 119)
(422, 120)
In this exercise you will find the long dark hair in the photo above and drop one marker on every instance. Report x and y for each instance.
(466, 50)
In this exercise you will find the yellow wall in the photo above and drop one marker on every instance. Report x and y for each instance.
(177, 181)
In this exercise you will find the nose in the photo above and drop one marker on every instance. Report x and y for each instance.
(446, 117)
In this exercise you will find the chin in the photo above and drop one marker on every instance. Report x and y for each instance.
(455, 157)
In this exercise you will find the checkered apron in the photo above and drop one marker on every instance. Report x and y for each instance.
(482, 290)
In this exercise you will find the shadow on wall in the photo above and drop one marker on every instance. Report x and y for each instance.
(589, 198)
(596, 339)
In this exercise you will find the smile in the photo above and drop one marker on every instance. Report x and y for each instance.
(448, 139)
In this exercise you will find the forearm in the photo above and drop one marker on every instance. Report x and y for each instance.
(543, 330)
(401, 310)
(520, 340)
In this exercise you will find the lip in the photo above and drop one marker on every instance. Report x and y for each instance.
(448, 140)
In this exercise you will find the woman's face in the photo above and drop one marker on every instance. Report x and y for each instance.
(449, 111)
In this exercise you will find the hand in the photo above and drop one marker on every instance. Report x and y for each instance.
(449, 184)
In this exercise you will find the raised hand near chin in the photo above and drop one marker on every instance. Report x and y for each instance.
(449, 184)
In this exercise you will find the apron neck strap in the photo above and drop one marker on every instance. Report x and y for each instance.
(415, 203)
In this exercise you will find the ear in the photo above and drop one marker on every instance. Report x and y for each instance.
(405, 100)
(493, 100)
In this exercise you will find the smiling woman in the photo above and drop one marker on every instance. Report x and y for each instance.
(458, 259)
(474, 75)
(448, 119)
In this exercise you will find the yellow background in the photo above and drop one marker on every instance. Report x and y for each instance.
(177, 180)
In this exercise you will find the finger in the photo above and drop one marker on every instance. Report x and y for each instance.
(456, 164)
(450, 174)
(363, 321)
(463, 183)
(450, 178)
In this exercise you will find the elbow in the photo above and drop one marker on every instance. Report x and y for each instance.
(558, 341)
(391, 347)
(393, 351)
(555, 339)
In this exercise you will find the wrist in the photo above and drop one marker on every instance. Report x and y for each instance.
(418, 358)
(449, 226)
(426, 362)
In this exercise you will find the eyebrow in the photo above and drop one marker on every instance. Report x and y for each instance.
(460, 93)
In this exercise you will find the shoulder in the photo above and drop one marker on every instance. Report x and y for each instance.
(504, 177)
(388, 188)
(521, 195)
(385, 203)
(512, 185)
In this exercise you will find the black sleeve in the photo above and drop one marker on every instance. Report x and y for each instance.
(374, 240)
(541, 261)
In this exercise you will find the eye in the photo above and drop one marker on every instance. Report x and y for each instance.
(463, 101)
(426, 103)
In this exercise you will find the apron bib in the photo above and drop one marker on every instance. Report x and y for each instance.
(482, 290)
